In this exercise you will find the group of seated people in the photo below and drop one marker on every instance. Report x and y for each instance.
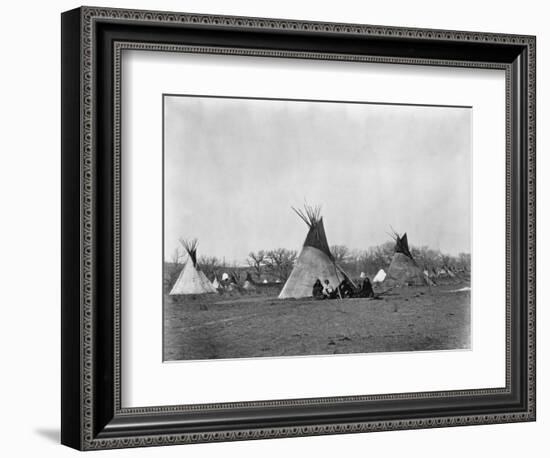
(344, 290)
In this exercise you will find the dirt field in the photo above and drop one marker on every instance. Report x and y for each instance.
(244, 326)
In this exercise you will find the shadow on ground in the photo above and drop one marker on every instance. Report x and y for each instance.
(52, 435)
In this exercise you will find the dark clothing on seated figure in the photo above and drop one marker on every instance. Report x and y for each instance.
(366, 289)
(346, 288)
(318, 290)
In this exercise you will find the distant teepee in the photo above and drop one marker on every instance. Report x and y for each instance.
(315, 260)
(403, 270)
(191, 279)
(215, 282)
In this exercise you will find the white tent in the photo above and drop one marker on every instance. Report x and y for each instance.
(315, 261)
(215, 282)
(191, 279)
(379, 277)
(207, 282)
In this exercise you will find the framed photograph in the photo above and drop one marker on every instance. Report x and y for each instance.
(276, 228)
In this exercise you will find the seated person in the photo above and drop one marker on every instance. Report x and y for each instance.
(366, 288)
(346, 288)
(328, 290)
(318, 290)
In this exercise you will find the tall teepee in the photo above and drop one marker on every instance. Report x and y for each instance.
(403, 270)
(191, 279)
(315, 260)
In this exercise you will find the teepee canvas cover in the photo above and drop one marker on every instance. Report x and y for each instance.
(191, 279)
(315, 260)
(404, 270)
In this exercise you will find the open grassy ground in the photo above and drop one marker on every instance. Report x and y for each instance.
(256, 325)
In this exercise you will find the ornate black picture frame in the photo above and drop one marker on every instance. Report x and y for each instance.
(92, 42)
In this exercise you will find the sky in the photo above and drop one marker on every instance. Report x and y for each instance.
(234, 167)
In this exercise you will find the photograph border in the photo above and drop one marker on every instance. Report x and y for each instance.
(276, 99)
(92, 42)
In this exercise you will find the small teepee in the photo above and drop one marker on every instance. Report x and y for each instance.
(191, 279)
(315, 260)
(403, 270)
(215, 282)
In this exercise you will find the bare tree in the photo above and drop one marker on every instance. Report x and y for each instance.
(426, 257)
(209, 265)
(280, 262)
(257, 262)
(176, 257)
(341, 253)
(173, 268)
(445, 260)
(382, 254)
(370, 260)
(464, 261)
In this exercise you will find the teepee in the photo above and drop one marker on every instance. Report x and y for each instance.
(215, 282)
(191, 279)
(315, 260)
(403, 270)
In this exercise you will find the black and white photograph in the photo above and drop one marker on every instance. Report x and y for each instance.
(278, 221)
(314, 227)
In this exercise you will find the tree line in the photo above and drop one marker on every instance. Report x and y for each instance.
(277, 264)
(379, 257)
